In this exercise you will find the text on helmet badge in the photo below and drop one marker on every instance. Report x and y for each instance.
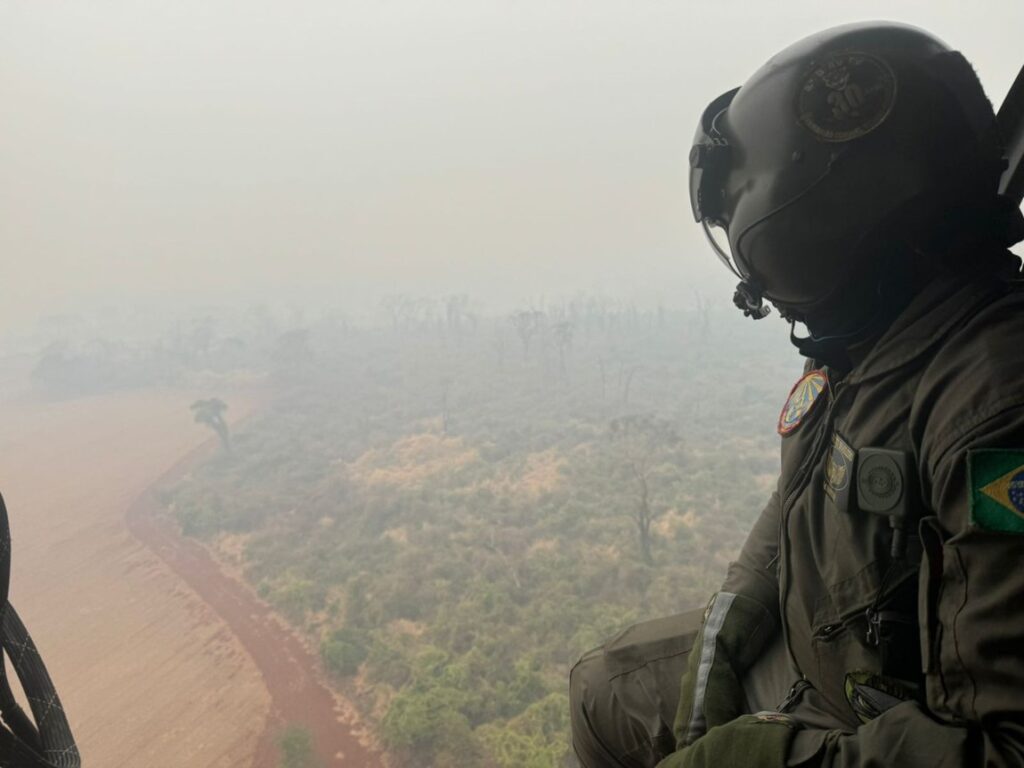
(845, 96)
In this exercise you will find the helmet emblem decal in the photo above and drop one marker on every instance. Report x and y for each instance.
(845, 96)
(802, 398)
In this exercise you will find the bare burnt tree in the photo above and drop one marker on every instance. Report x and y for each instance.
(513, 572)
(561, 332)
(455, 312)
(626, 381)
(394, 306)
(446, 389)
(408, 312)
(647, 452)
(201, 338)
(527, 323)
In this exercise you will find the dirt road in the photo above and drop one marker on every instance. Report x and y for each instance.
(289, 671)
(162, 660)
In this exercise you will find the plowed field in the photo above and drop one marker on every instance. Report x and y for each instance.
(149, 674)
(161, 660)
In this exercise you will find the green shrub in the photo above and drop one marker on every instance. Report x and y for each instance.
(343, 650)
(296, 745)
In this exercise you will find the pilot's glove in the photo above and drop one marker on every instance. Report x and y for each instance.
(735, 631)
(750, 741)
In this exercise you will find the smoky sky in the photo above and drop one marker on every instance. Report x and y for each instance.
(204, 150)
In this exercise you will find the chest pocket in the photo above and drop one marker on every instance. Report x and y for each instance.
(869, 622)
(867, 618)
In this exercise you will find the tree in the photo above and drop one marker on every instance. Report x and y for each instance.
(446, 388)
(643, 445)
(626, 380)
(211, 413)
(526, 323)
(562, 333)
(201, 338)
(455, 310)
(343, 651)
(296, 745)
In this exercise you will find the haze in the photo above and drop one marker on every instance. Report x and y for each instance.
(330, 152)
(361, 365)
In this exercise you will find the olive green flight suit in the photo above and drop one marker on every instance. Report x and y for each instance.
(942, 625)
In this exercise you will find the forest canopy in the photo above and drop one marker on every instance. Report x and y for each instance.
(454, 506)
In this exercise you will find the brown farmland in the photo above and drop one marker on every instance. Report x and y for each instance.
(161, 660)
(148, 673)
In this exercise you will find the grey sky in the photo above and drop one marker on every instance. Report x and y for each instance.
(341, 149)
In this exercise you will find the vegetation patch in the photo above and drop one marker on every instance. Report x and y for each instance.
(454, 508)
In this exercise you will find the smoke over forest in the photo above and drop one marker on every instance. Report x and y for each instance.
(452, 504)
(361, 364)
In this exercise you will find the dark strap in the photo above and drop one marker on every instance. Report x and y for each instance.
(47, 742)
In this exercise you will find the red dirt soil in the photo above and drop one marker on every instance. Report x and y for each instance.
(148, 673)
(291, 673)
(161, 659)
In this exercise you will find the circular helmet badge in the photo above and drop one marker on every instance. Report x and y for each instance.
(845, 96)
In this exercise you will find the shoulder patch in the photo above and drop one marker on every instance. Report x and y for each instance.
(801, 400)
(996, 479)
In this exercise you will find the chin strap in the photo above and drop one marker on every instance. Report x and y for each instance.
(749, 301)
(832, 348)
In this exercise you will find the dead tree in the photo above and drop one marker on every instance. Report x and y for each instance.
(646, 451)
(626, 381)
(562, 334)
(513, 572)
(446, 387)
(526, 323)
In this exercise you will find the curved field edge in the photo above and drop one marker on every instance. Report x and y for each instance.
(291, 673)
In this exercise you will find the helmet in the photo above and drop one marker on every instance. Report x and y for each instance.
(855, 131)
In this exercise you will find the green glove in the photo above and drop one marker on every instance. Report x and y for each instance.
(736, 629)
(750, 741)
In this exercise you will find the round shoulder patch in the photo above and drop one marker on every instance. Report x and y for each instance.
(802, 397)
(846, 95)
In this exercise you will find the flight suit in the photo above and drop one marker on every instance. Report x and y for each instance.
(909, 658)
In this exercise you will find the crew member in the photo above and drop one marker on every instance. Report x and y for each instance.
(875, 615)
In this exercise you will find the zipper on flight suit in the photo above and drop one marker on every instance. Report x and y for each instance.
(791, 491)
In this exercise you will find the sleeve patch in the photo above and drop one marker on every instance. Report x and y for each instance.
(996, 479)
(801, 400)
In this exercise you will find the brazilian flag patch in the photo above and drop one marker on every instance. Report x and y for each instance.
(996, 478)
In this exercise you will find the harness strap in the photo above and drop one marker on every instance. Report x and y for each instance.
(47, 742)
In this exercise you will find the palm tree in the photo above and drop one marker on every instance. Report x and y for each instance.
(211, 413)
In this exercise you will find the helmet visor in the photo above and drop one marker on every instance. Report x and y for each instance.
(718, 238)
(709, 160)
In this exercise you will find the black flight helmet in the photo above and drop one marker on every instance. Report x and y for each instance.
(854, 131)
